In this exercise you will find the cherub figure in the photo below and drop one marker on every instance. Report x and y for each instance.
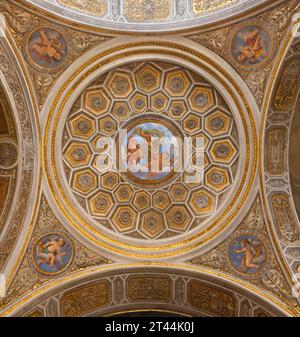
(253, 254)
(48, 48)
(254, 47)
(51, 253)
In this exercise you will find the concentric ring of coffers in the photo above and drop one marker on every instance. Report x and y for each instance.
(150, 98)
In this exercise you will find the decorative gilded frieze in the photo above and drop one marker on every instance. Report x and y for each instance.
(13, 154)
(95, 7)
(288, 87)
(149, 15)
(284, 216)
(211, 300)
(86, 299)
(204, 6)
(281, 158)
(147, 10)
(276, 151)
(8, 158)
(149, 288)
(175, 291)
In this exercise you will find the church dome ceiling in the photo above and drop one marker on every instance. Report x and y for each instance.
(149, 158)
(150, 99)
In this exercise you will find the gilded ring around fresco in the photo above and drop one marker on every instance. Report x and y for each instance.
(248, 254)
(46, 48)
(251, 46)
(52, 254)
(140, 133)
(125, 212)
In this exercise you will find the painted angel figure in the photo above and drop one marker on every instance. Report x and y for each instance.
(48, 48)
(51, 252)
(254, 48)
(253, 254)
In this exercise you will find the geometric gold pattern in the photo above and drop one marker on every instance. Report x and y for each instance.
(139, 102)
(223, 151)
(159, 102)
(120, 84)
(217, 179)
(101, 204)
(177, 83)
(78, 154)
(217, 123)
(192, 123)
(152, 223)
(178, 108)
(82, 126)
(97, 101)
(165, 93)
(202, 202)
(125, 218)
(85, 181)
(142, 200)
(178, 217)
(161, 200)
(148, 78)
(201, 99)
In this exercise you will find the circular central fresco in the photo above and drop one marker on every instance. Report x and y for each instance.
(131, 151)
(140, 156)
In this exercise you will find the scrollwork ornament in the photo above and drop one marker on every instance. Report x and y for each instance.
(280, 17)
(275, 282)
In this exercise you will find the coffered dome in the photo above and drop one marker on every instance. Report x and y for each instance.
(150, 99)
(149, 158)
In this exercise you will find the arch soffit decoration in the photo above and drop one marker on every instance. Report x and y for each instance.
(117, 283)
(116, 17)
(277, 112)
(15, 235)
